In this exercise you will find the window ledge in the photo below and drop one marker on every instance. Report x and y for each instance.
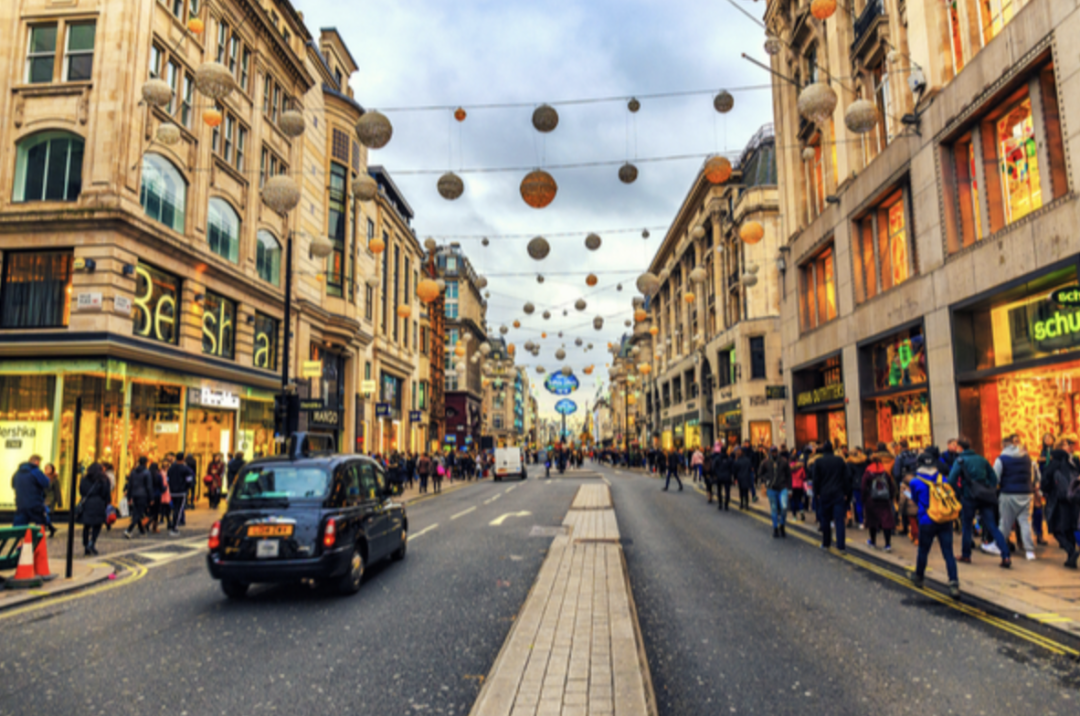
(803, 332)
(1004, 231)
(52, 89)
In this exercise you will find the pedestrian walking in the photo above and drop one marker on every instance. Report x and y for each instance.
(1059, 477)
(54, 497)
(975, 481)
(743, 471)
(138, 490)
(723, 476)
(797, 499)
(1015, 472)
(233, 470)
(214, 479)
(777, 488)
(31, 487)
(96, 493)
(828, 475)
(697, 463)
(928, 479)
(857, 463)
(180, 478)
(879, 493)
(423, 471)
(674, 459)
(157, 507)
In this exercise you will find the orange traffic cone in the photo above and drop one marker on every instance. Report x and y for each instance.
(41, 560)
(24, 574)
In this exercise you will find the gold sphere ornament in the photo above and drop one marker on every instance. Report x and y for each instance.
(321, 247)
(592, 242)
(816, 102)
(823, 9)
(808, 154)
(376, 245)
(427, 290)
(861, 116)
(365, 187)
(598, 322)
(689, 297)
(450, 186)
(723, 102)
(430, 245)
(404, 311)
(212, 117)
(459, 349)
(587, 370)
(698, 275)
(748, 280)
(543, 335)
(773, 45)
(511, 349)
(751, 232)
(580, 305)
(529, 308)
(481, 282)
(567, 371)
(156, 93)
(653, 330)
(560, 354)
(214, 80)
(698, 232)
(717, 170)
(640, 315)
(539, 248)
(374, 130)
(459, 114)
(196, 26)
(628, 173)
(547, 315)
(591, 280)
(644, 369)
(648, 284)
(291, 123)
(545, 118)
(168, 134)
(538, 189)
(539, 278)
(372, 281)
(633, 105)
(281, 193)
(645, 233)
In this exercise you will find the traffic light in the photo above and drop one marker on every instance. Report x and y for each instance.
(286, 414)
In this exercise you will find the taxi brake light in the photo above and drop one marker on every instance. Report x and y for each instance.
(330, 534)
(215, 536)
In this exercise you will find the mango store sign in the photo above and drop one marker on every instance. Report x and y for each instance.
(19, 439)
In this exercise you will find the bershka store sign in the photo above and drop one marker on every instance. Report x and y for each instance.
(19, 439)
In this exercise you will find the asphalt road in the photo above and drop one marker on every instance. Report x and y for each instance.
(735, 621)
(417, 638)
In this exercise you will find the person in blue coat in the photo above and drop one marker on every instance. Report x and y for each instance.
(30, 486)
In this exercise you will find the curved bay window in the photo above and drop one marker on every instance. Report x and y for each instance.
(223, 230)
(48, 167)
(36, 291)
(163, 193)
(268, 257)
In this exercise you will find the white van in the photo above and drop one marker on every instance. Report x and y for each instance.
(509, 463)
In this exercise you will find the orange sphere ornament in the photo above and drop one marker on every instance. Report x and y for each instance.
(538, 189)
(644, 369)
(459, 114)
(823, 9)
(689, 297)
(588, 370)
(404, 311)
(640, 315)
(717, 170)
(543, 335)
(653, 330)
(459, 350)
(751, 232)
(427, 290)
(511, 349)
(517, 324)
(591, 280)
(376, 245)
(212, 117)
(196, 26)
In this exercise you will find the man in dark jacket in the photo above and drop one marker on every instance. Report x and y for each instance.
(775, 472)
(829, 476)
(139, 490)
(743, 470)
(1058, 477)
(30, 485)
(1015, 477)
(233, 469)
(906, 463)
(674, 459)
(180, 478)
(971, 475)
(723, 477)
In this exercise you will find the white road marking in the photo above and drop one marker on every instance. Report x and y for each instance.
(492, 499)
(511, 488)
(462, 513)
(502, 518)
(423, 531)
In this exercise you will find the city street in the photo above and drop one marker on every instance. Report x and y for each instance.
(732, 620)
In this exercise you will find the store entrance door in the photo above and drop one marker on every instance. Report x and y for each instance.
(209, 431)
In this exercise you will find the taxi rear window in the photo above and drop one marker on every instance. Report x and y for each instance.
(268, 482)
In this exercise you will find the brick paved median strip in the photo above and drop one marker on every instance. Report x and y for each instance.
(574, 649)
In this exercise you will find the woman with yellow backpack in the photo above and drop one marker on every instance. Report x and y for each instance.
(938, 508)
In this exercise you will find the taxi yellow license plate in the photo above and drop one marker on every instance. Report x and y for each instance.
(270, 531)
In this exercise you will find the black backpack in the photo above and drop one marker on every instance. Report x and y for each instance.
(879, 488)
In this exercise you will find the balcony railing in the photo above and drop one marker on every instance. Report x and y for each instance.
(873, 10)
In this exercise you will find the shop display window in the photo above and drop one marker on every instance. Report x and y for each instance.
(36, 291)
(1018, 162)
(157, 296)
(219, 326)
(896, 362)
(101, 427)
(26, 426)
(154, 423)
(761, 433)
(208, 432)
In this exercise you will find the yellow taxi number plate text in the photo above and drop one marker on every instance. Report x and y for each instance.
(270, 531)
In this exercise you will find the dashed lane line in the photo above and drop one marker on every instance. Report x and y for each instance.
(463, 513)
(492, 499)
(421, 533)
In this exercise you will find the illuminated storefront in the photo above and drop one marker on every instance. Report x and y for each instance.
(893, 387)
(1017, 355)
(388, 413)
(819, 403)
(729, 421)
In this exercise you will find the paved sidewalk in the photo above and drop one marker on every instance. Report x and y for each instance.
(574, 649)
(83, 574)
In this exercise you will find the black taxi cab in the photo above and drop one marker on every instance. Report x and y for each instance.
(309, 514)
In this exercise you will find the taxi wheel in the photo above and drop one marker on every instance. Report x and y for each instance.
(349, 583)
(234, 589)
(399, 553)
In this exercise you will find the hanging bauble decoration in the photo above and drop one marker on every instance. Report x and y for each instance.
(511, 349)
(717, 170)
(566, 370)
(539, 278)
(545, 118)
(772, 45)
(529, 308)
(441, 284)
(628, 173)
(365, 187)
(591, 280)
(751, 232)
(321, 247)
(808, 154)
(485, 348)
(459, 349)
(404, 311)
(430, 245)
(580, 304)
(481, 282)
(723, 102)
(592, 242)
(560, 354)
(578, 342)
(653, 330)
(517, 324)
(450, 186)
(539, 248)
(697, 233)
(291, 123)
(376, 245)
(748, 280)
(817, 102)
(648, 284)
(547, 315)
(487, 294)
(588, 347)
(543, 335)
(627, 323)
(644, 368)
(564, 313)
(372, 281)
(540, 369)
(459, 114)
(212, 117)
(598, 322)
(195, 26)
(214, 80)
(503, 329)
(633, 105)
(281, 193)
(587, 370)
(640, 315)
(374, 130)
(823, 9)
(168, 134)
(861, 116)
(156, 93)
(698, 275)
(618, 287)
(644, 233)
(689, 297)
(538, 189)
(427, 290)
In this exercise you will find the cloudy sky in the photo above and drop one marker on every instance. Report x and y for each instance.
(421, 53)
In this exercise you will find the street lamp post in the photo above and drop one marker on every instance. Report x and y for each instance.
(287, 416)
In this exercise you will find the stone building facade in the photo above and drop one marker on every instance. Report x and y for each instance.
(465, 312)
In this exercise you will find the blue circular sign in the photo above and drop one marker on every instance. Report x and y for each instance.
(565, 407)
(560, 384)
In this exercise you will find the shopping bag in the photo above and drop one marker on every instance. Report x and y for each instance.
(124, 508)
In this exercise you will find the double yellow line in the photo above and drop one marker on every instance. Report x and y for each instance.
(1035, 638)
(137, 572)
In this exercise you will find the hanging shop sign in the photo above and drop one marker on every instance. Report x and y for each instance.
(367, 387)
(560, 384)
(382, 410)
(817, 396)
(414, 416)
(565, 407)
(156, 297)
(775, 392)
(166, 428)
(311, 369)
(312, 404)
(451, 438)
(1066, 296)
(325, 418)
